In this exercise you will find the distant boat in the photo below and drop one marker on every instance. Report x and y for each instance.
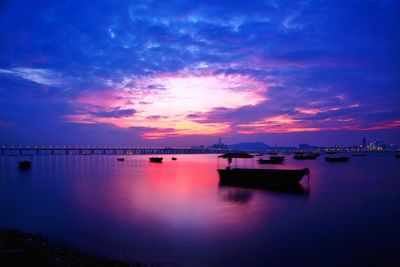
(156, 159)
(359, 155)
(397, 156)
(277, 157)
(25, 164)
(261, 177)
(173, 158)
(241, 155)
(307, 156)
(272, 160)
(121, 159)
(337, 159)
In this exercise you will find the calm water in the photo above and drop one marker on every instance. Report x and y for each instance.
(175, 214)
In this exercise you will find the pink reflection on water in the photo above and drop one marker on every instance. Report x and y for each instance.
(173, 197)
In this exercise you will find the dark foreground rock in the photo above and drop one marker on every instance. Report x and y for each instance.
(24, 249)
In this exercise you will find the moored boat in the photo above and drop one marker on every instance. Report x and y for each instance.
(359, 155)
(25, 164)
(261, 177)
(121, 159)
(397, 156)
(272, 160)
(173, 158)
(156, 159)
(337, 159)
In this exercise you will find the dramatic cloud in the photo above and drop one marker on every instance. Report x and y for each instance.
(162, 69)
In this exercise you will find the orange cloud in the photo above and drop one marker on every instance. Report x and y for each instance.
(168, 99)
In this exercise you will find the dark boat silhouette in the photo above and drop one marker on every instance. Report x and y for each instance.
(156, 159)
(24, 165)
(305, 156)
(337, 159)
(261, 178)
(272, 160)
(173, 158)
(241, 155)
(359, 155)
(397, 156)
(121, 159)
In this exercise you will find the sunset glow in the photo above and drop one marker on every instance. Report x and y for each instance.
(165, 103)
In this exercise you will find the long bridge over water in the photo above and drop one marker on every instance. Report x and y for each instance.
(106, 150)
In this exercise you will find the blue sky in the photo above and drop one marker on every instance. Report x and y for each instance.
(187, 72)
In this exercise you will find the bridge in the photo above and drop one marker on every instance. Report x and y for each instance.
(107, 150)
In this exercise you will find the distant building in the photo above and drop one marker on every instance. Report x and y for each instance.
(364, 142)
(219, 145)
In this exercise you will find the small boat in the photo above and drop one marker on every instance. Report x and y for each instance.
(337, 159)
(156, 159)
(121, 159)
(241, 155)
(277, 157)
(24, 165)
(397, 156)
(173, 158)
(359, 155)
(307, 156)
(272, 160)
(261, 177)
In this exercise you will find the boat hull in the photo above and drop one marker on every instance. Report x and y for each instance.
(270, 161)
(261, 177)
(156, 160)
(24, 165)
(337, 159)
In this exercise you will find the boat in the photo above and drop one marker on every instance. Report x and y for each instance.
(261, 177)
(25, 164)
(272, 160)
(359, 155)
(306, 156)
(397, 156)
(337, 159)
(121, 159)
(156, 159)
(277, 157)
(240, 155)
(173, 158)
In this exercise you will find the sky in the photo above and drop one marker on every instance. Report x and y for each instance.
(188, 72)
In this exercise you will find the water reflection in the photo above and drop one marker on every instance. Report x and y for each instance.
(236, 195)
(177, 211)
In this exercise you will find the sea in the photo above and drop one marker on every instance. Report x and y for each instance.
(175, 213)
